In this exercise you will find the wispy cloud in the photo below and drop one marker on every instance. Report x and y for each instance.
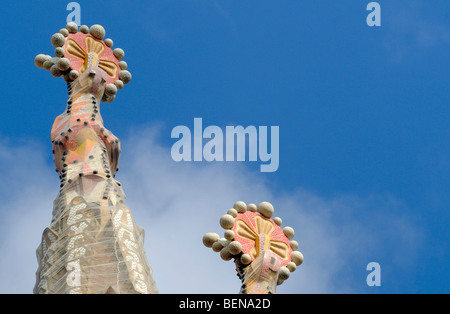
(176, 203)
(410, 30)
(27, 190)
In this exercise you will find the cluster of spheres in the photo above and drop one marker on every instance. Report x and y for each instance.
(230, 247)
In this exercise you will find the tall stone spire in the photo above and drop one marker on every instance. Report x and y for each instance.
(93, 244)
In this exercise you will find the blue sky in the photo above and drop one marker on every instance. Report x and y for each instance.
(363, 114)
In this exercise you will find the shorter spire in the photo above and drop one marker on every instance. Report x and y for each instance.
(264, 253)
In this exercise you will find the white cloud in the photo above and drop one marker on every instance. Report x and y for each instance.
(27, 190)
(176, 203)
(185, 200)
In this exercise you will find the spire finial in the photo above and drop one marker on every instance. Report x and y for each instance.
(264, 253)
(76, 49)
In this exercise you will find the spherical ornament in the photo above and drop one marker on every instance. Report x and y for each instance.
(125, 76)
(108, 98)
(97, 31)
(110, 89)
(240, 206)
(66, 77)
(246, 259)
(234, 247)
(288, 232)
(64, 32)
(39, 60)
(284, 273)
(252, 207)
(84, 29)
(63, 64)
(266, 209)
(119, 53)
(123, 65)
(297, 257)
(225, 254)
(278, 221)
(48, 64)
(109, 42)
(217, 246)
(54, 70)
(227, 221)
(72, 27)
(119, 84)
(229, 235)
(233, 212)
(291, 266)
(58, 40)
(294, 244)
(59, 52)
(74, 74)
(210, 238)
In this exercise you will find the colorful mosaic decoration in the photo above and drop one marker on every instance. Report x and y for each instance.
(93, 244)
(264, 253)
